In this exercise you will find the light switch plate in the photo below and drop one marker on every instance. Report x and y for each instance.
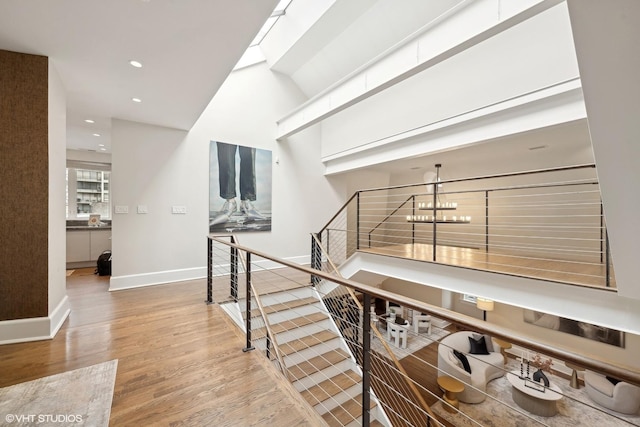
(122, 209)
(142, 209)
(179, 210)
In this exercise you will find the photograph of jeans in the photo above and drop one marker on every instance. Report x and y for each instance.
(237, 170)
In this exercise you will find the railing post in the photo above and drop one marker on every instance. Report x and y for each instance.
(486, 221)
(268, 347)
(366, 359)
(358, 221)
(607, 260)
(413, 224)
(435, 213)
(233, 260)
(209, 271)
(316, 257)
(248, 347)
(602, 233)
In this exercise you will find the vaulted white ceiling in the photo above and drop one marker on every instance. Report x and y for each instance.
(187, 49)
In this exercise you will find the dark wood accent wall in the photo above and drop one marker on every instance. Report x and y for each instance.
(24, 185)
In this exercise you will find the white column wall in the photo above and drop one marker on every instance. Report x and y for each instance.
(160, 167)
(58, 303)
(606, 36)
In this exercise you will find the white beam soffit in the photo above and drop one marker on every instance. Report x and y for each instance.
(552, 105)
(467, 24)
(592, 305)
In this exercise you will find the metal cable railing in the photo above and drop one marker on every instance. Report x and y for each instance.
(332, 356)
(397, 392)
(546, 224)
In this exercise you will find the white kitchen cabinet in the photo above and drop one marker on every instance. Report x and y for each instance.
(78, 245)
(85, 245)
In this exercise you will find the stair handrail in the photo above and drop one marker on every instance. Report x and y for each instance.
(389, 216)
(270, 335)
(620, 372)
(483, 177)
(343, 207)
(375, 330)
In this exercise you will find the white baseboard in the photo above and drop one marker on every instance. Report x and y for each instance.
(58, 316)
(35, 329)
(162, 277)
(117, 283)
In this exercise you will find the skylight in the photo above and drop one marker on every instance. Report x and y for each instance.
(277, 13)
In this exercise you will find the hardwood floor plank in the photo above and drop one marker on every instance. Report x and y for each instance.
(180, 361)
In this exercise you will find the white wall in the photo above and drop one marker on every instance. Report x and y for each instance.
(160, 167)
(512, 317)
(606, 36)
(58, 303)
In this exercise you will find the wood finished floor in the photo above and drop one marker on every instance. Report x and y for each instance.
(582, 274)
(180, 361)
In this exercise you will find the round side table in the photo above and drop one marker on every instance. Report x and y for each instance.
(504, 345)
(574, 374)
(451, 387)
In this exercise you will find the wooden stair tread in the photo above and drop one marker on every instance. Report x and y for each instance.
(298, 322)
(274, 308)
(346, 413)
(331, 386)
(307, 341)
(290, 324)
(317, 363)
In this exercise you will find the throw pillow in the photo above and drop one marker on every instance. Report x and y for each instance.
(400, 320)
(463, 360)
(612, 380)
(487, 340)
(454, 360)
(478, 346)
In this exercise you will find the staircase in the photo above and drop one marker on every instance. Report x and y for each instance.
(316, 357)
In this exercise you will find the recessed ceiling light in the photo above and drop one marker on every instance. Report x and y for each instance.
(100, 145)
(89, 121)
(136, 99)
(96, 134)
(135, 63)
(103, 149)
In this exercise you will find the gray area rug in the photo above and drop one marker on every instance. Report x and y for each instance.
(574, 409)
(81, 397)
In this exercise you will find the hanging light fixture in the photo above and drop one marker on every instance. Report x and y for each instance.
(438, 213)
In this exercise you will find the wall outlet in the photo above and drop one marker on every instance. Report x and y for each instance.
(179, 210)
(142, 209)
(122, 209)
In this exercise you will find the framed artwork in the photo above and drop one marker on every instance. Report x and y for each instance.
(239, 188)
(574, 327)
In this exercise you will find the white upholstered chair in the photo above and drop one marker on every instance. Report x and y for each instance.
(398, 334)
(621, 397)
(421, 321)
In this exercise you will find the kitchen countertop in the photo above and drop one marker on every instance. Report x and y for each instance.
(87, 227)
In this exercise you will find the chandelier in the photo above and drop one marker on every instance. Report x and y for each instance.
(436, 210)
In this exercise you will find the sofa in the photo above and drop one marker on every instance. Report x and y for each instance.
(483, 367)
(616, 395)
